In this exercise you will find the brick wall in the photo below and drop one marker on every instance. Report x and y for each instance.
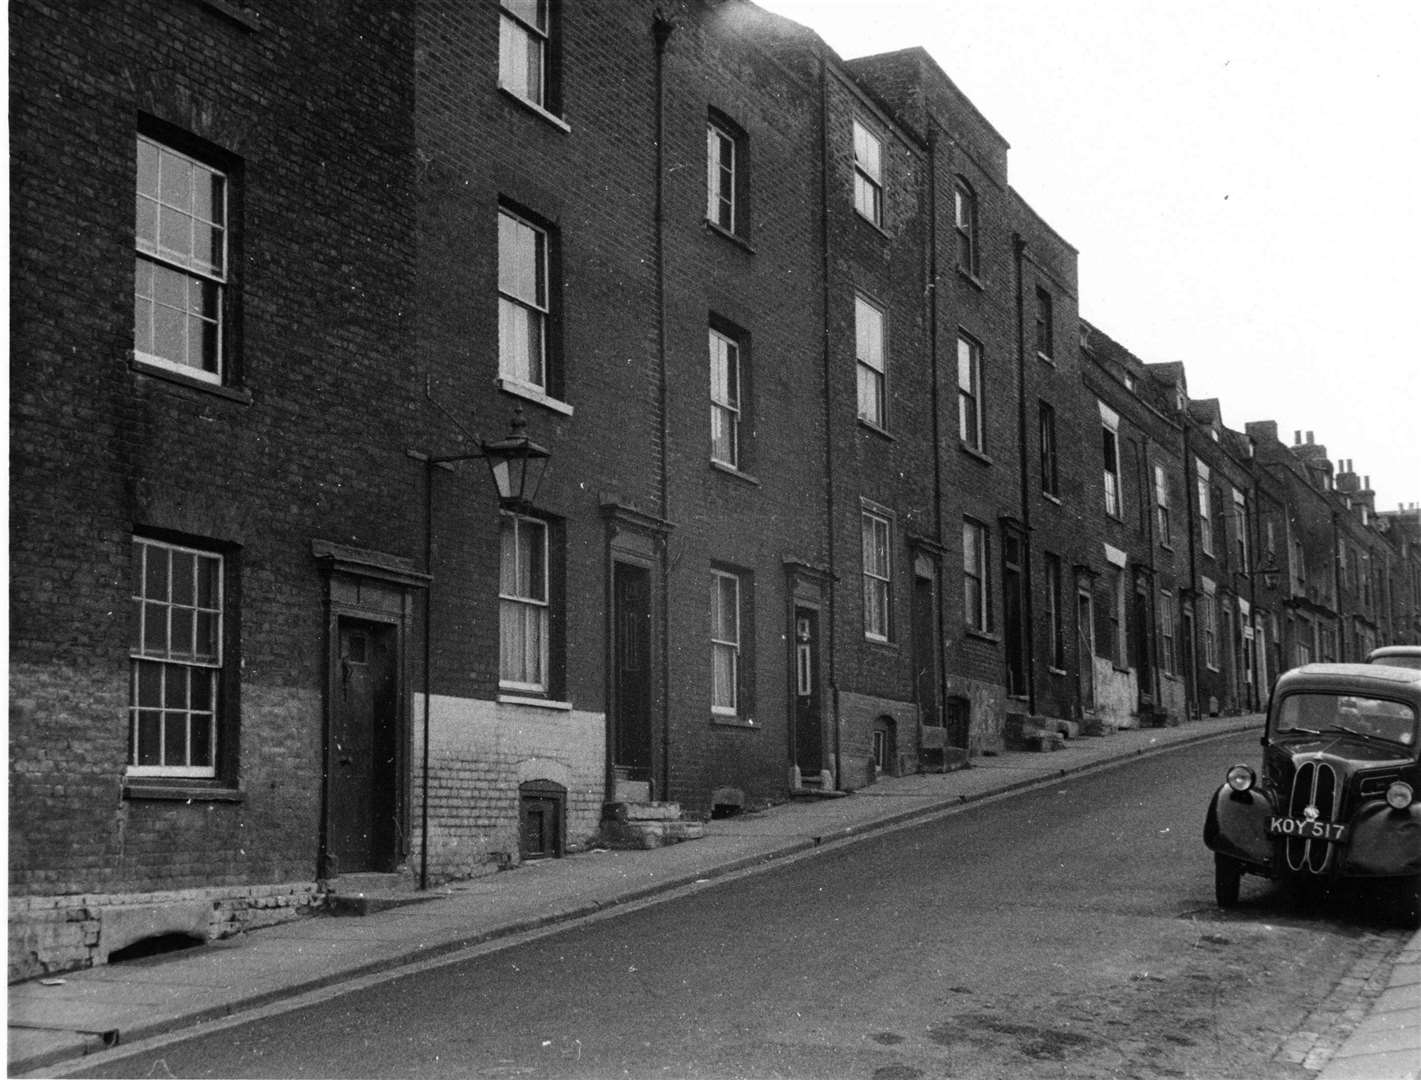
(310, 114)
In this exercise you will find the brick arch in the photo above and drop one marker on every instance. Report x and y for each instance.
(539, 768)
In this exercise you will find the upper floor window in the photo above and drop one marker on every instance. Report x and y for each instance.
(877, 576)
(176, 660)
(976, 580)
(970, 426)
(724, 175)
(871, 352)
(1162, 522)
(868, 174)
(180, 277)
(523, 305)
(1209, 628)
(1206, 517)
(523, 603)
(1110, 455)
(1044, 322)
(1050, 465)
(1238, 523)
(524, 37)
(964, 204)
(725, 393)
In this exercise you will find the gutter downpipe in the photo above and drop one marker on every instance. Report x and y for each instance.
(1191, 509)
(829, 478)
(934, 128)
(1019, 251)
(661, 28)
(428, 672)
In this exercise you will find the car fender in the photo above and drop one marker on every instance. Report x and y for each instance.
(1383, 842)
(1237, 825)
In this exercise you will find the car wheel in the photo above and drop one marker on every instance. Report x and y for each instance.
(1227, 873)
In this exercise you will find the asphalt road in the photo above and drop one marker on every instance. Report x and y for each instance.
(1067, 932)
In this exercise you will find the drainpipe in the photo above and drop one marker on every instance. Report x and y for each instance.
(829, 477)
(661, 28)
(1191, 508)
(1019, 251)
(428, 670)
(934, 358)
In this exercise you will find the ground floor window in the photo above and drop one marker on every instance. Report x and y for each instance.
(175, 660)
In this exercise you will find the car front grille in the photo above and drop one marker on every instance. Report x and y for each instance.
(1315, 788)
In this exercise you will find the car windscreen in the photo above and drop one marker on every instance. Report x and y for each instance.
(1317, 712)
(1406, 660)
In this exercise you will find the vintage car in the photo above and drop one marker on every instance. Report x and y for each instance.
(1396, 656)
(1338, 797)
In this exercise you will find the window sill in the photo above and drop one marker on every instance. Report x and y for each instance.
(725, 234)
(973, 452)
(156, 790)
(1045, 358)
(535, 702)
(875, 225)
(881, 642)
(529, 392)
(1051, 498)
(971, 278)
(537, 110)
(882, 432)
(731, 470)
(1057, 671)
(1166, 547)
(246, 19)
(241, 396)
(982, 635)
(745, 723)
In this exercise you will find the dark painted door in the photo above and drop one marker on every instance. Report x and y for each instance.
(1085, 650)
(363, 757)
(631, 670)
(1140, 646)
(1014, 614)
(925, 649)
(808, 711)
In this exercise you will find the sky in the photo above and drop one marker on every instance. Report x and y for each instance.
(1240, 178)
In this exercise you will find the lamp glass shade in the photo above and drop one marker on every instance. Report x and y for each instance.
(517, 467)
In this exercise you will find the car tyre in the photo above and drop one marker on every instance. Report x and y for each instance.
(1227, 873)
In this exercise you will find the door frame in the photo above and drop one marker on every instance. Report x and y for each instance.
(373, 587)
(807, 586)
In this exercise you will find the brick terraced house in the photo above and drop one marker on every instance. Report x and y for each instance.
(835, 480)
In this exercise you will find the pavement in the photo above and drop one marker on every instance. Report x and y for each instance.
(53, 1023)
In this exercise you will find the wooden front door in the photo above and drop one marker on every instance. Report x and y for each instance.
(362, 758)
(631, 671)
(925, 649)
(1014, 613)
(808, 707)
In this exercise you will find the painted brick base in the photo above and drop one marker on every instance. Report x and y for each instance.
(64, 933)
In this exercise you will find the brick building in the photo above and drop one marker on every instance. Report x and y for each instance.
(828, 487)
(212, 391)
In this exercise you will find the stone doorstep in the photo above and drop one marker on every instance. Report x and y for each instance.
(366, 893)
(644, 835)
(643, 811)
(1038, 733)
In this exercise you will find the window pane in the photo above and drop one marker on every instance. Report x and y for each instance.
(155, 630)
(723, 664)
(150, 733)
(175, 686)
(533, 12)
(868, 330)
(149, 678)
(147, 168)
(201, 740)
(867, 152)
(508, 557)
(174, 738)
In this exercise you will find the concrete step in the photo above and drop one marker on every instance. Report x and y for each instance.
(643, 811)
(364, 893)
(640, 826)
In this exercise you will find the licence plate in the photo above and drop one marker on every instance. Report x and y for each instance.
(1306, 830)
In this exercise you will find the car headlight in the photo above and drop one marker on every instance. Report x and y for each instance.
(1399, 795)
(1242, 778)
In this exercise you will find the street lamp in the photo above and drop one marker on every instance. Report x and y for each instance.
(516, 463)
